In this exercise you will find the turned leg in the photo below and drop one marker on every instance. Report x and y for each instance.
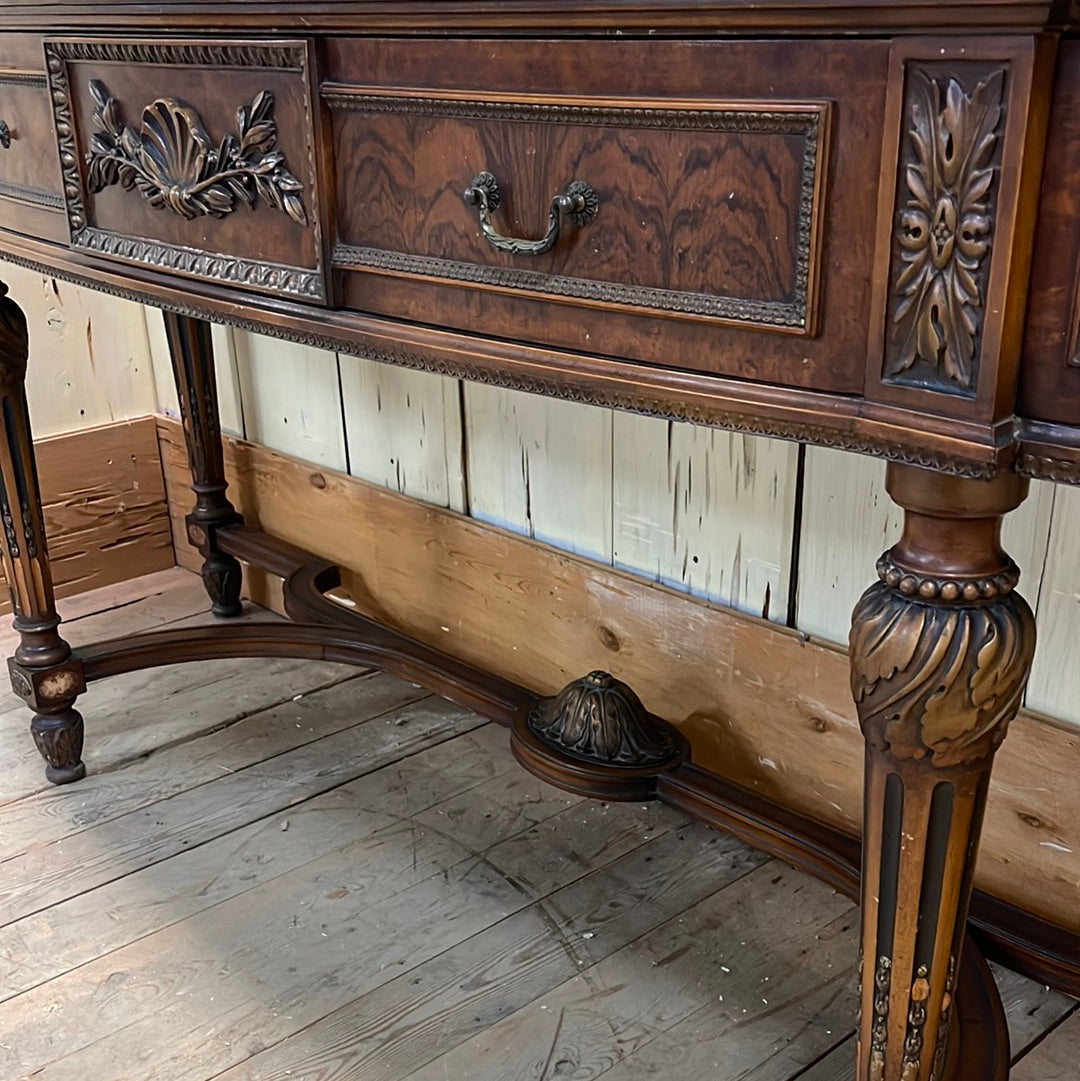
(43, 671)
(192, 351)
(941, 648)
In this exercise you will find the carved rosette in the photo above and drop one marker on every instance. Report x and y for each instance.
(944, 229)
(937, 680)
(599, 718)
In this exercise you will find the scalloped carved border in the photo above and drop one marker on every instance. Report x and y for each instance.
(306, 284)
(300, 282)
(810, 120)
(288, 56)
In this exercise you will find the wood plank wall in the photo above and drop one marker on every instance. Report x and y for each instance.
(710, 513)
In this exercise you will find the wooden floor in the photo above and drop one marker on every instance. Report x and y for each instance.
(287, 870)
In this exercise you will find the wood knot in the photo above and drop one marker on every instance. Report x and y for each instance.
(609, 638)
(317, 481)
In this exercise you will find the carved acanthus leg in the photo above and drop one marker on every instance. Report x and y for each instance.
(192, 351)
(941, 649)
(43, 671)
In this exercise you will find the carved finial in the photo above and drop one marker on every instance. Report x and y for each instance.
(599, 718)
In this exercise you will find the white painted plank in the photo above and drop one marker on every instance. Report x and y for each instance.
(848, 520)
(89, 358)
(707, 511)
(1055, 680)
(228, 382)
(541, 467)
(404, 430)
(291, 398)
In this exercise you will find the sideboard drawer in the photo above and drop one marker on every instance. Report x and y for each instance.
(29, 172)
(194, 157)
(705, 198)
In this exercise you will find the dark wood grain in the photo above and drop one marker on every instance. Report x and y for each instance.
(710, 212)
(1050, 379)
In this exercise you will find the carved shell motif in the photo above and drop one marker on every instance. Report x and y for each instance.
(173, 163)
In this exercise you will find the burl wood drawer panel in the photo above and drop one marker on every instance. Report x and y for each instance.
(727, 195)
(29, 171)
(192, 157)
(1050, 371)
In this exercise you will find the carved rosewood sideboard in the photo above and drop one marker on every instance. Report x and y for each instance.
(850, 223)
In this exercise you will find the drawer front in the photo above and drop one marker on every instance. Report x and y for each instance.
(696, 233)
(29, 172)
(197, 158)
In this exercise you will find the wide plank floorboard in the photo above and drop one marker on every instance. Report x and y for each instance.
(289, 871)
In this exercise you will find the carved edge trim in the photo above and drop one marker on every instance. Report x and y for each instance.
(23, 78)
(806, 119)
(288, 56)
(764, 313)
(296, 281)
(960, 590)
(795, 118)
(1043, 467)
(65, 138)
(263, 275)
(32, 195)
(730, 420)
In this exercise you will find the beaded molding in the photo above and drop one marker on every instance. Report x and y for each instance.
(946, 589)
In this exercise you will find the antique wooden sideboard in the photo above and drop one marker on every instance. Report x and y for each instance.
(849, 222)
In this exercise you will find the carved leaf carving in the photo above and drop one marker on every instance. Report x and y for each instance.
(944, 231)
(938, 680)
(173, 163)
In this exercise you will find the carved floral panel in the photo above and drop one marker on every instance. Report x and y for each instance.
(944, 228)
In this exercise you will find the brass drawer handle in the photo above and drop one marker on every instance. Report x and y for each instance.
(579, 201)
(5, 135)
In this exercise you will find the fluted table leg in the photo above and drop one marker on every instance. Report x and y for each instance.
(43, 671)
(192, 351)
(941, 648)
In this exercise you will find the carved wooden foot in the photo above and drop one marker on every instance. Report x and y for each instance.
(222, 576)
(59, 738)
(192, 351)
(43, 671)
(596, 738)
(941, 649)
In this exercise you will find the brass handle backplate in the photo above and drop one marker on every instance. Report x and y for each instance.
(578, 201)
(5, 135)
